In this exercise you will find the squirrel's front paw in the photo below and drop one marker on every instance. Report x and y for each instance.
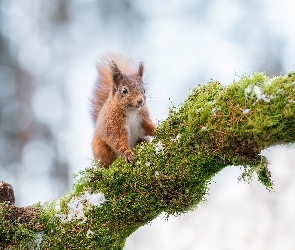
(129, 156)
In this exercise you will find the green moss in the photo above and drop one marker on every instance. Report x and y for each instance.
(21, 233)
(215, 127)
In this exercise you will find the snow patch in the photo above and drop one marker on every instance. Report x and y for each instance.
(176, 139)
(75, 209)
(159, 147)
(89, 232)
(259, 94)
(39, 239)
(248, 90)
(199, 109)
(214, 110)
(246, 111)
(78, 204)
(96, 199)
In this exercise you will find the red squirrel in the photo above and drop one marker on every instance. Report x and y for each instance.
(119, 110)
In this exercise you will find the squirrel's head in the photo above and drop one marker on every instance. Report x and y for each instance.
(128, 89)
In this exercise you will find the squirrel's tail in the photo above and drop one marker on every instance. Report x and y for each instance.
(104, 83)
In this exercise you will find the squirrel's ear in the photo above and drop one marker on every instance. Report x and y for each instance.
(140, 69)
(117, 74)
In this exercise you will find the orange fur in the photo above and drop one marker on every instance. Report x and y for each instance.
(121, 119)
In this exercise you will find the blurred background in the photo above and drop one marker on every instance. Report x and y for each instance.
(48, 51)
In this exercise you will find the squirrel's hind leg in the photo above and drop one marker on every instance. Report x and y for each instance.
(103, 153)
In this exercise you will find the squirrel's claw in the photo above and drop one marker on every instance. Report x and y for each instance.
(129, 156)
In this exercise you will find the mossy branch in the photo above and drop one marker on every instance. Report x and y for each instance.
(215, 127)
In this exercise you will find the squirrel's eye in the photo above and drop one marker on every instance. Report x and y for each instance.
(124, 91)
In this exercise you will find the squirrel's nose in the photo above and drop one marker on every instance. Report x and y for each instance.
(139, 101)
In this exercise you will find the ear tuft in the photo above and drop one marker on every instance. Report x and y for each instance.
(116, 73)
(140, 69)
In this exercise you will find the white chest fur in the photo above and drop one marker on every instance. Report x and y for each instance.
(133, 128)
